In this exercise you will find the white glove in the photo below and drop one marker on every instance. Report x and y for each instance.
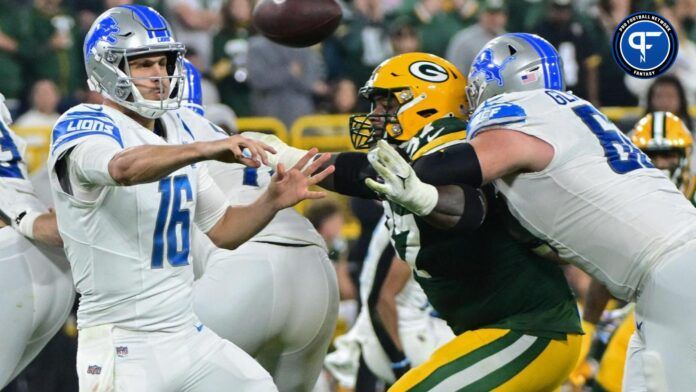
(401, 185)
(287, 155)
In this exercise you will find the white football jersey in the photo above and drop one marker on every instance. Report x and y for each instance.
(600, 202)
(129, 246)
(243, 185)
(411, 302)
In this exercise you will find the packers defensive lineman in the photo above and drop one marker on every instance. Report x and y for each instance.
(515, 318)
(128, 185)
(571, 178)
(37, 290)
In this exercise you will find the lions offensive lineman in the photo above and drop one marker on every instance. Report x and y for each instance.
(282, 281)
(128, 185)
(37, 289)
(574, 180)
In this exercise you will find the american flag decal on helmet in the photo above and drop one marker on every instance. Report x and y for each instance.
(529, 77)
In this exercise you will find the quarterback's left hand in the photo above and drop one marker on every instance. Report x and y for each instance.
(401, 184)
(288, 188)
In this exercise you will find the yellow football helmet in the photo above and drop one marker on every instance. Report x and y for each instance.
(420, 87)
(665, 137)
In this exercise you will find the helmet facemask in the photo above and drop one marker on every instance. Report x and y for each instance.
(382, 121)
(125, 91)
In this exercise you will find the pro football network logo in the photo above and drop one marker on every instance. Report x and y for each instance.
(645, 45)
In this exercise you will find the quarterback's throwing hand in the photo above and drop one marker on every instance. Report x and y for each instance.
(239, 149)
(401, 185)
(288, 188)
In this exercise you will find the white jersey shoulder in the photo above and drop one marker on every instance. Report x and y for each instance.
(600, 201)
(129, 248)
(243, 185)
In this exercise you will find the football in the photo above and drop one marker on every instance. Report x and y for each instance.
(297, 23)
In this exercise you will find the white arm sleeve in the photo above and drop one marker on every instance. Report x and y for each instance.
(211, 202)
(88, 167)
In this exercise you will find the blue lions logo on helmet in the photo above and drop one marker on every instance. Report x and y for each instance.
(484, 64)
(105, 31)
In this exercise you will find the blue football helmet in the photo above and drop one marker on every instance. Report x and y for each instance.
(193, 93)
(124, 32)
(514, 62)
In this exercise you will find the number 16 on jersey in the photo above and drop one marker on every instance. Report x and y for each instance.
(171, 217)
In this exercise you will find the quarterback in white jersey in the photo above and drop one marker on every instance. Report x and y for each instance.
(37, 290)
(574, 180)
(419, 332)
(282, 281)
(128, 185)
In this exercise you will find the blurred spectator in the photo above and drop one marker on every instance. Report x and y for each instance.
(566, 30)
(327, 218)
(606, 15)
(526, 14)
(684, 67)
(666, 94)
(44, 104)
(436, 22)
(194, 23)
(55, 41)
(466, 44)
(230, 50)
(344, 97)
(13, 25)
(359, 44)
(283, 80)
(404, 37)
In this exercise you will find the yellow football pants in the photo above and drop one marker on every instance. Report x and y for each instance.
(498, 360)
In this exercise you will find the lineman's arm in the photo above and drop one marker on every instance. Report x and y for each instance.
(596, 301)
(353, 169)
(441, 199)
(492, 154)
(399, 273)
(41, 227)
(390, 277)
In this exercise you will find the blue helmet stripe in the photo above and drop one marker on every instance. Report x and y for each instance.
(550, 62)
(153, 21)
(150, 18)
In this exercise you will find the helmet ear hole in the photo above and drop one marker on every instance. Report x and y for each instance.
(427, 112)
